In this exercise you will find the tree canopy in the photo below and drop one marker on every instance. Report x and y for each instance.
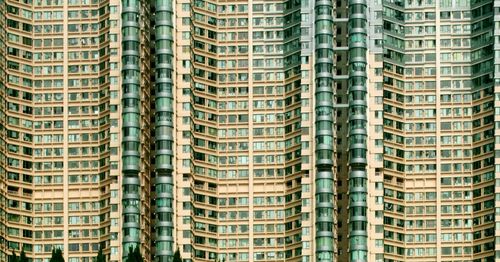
(13, 257)
(100, 256)
(57, 256)
(134, 255)
(23, 257)
(177, 256)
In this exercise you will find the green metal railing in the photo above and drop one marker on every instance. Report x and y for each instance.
(131, 140)
(164, 64)
(324, 93)
(357, 131)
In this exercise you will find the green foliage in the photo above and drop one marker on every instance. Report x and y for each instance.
(177, 256)
(23, 257)
(57, 256)
(100, 256)
(13, 257)
(134, 255)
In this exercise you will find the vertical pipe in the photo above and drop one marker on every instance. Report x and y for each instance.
(357, 131)
(131, 101)
(164, 64)
(324, 122)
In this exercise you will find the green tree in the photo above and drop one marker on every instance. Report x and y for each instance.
(100, 256)
(177, 256)
(134, 255)
(57, 256)
(13, 257)
(22, 257)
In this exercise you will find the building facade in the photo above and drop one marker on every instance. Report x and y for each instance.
(250, 130)
(438, 108)
(61, 129)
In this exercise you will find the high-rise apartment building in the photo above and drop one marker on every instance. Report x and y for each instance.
(439, 130)
(60, 179)
(263, 130)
